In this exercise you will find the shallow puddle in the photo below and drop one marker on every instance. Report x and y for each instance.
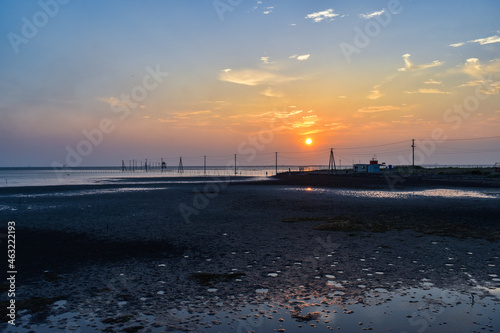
(413, 309)
(442, 193)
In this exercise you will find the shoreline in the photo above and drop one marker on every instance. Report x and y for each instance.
(389, 181)
(354, 181)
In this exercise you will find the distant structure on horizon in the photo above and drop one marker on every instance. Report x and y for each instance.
(373, 167)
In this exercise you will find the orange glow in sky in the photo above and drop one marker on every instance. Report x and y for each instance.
(358, 77)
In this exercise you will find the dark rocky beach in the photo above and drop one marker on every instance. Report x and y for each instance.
(292, 253)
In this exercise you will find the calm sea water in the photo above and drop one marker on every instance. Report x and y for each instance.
(10, 177)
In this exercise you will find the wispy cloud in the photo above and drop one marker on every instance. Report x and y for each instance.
(474, 83)
(431, 81)
(252, 77)
(492, 89)
(472, 67)
(185, 115)
(267, 115)
(286, 114)
(182, 116)
(113, 101)
(284, 119)
(266, 60)
(300, 57)
(306, 121)
(336, 126)
(487, 86)
(163, 120)
(370, 15)
(322, 15)
(376, 92)
(412, 67)
(216, 104)
(475, 68)
(290, 119)
(314, 131)
(374, 109)
(318, 128)
(429, 91)
(481, 41)
(268, 10)
(270, 92)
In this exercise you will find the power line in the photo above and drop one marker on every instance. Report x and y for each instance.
(318, 153)
(472, 150)
(382, 145)
(467, 152)
(470, 139)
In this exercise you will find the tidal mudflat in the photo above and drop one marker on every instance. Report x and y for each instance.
(214, 257)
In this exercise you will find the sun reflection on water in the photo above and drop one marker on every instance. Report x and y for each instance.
(442, 193)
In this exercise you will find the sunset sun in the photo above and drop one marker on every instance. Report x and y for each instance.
(309, 141)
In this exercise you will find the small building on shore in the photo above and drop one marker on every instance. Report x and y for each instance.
(373, 167)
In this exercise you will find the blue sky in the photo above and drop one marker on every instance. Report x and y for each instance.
(236, 70)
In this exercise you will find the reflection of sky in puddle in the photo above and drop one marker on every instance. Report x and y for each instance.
(443, 193)
(411, 309)
(495, 292)
(408, 309)
(91, 192)
(72, 194)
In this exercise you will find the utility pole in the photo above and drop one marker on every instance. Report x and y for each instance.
(235, 172)
(181, 167)
(413, 153)
(331, 163)
(146, 165)
(204, 165)
(276, 162)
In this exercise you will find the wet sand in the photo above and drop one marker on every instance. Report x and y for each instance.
(143, 255)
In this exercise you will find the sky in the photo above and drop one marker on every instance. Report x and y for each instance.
(92, 83)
